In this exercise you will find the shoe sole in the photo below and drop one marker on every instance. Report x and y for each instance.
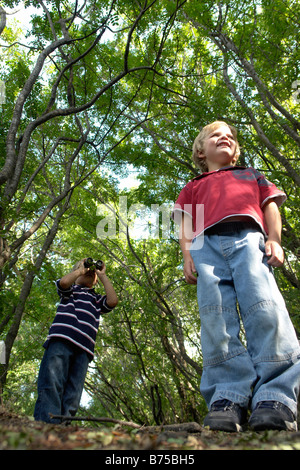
(220, 425)
(263, 424)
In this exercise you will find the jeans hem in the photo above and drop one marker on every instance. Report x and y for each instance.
(240, 400)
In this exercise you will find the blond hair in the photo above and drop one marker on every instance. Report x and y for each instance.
(198, 145)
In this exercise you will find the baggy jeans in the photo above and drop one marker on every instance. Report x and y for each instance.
(61, 380)
(232, 270)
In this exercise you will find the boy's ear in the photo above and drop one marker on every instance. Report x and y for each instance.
(201, 155)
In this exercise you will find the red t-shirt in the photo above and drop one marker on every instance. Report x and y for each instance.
(214, 196)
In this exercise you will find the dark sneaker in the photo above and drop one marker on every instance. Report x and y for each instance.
(225, 415)
(272, 415)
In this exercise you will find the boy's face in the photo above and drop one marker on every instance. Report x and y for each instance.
(219, 148)
(89, 279)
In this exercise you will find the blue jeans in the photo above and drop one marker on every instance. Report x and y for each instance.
(61, 380)
(232, 270)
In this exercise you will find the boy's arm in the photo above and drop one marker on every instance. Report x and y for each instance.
(273, 244)
(111, 296)
(69, 279)
(185, 239)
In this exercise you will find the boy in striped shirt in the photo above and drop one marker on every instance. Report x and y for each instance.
(71, 340)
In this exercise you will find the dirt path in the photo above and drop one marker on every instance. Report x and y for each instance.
(23, 433)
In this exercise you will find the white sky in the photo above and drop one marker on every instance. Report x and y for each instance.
(19, 13)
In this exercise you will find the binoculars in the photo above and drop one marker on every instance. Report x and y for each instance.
(91, 263)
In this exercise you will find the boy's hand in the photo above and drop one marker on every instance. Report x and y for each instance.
(275, 252)
(189, 271)
(81, 268)
(101, 272)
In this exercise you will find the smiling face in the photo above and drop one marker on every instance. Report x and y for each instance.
(219, 148)
(216, 146)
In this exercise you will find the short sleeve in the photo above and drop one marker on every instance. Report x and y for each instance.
(63, 292)
(183, 204)
(103, 305)
(269, 191)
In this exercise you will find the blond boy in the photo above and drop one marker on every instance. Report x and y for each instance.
(230, 255)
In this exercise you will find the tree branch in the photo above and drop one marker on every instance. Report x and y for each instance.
(2, 19)
(98, 420)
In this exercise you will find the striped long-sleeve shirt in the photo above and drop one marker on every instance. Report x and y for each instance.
(77, 317)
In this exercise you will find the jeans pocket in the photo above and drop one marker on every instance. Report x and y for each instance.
(265, 258)
(262, 243)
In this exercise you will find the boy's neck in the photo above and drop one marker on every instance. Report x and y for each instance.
(217, 167)
(84, 285)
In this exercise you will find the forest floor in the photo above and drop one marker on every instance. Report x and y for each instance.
(23, 433)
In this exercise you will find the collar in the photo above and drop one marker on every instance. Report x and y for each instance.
(80, 286)
(225, 168)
